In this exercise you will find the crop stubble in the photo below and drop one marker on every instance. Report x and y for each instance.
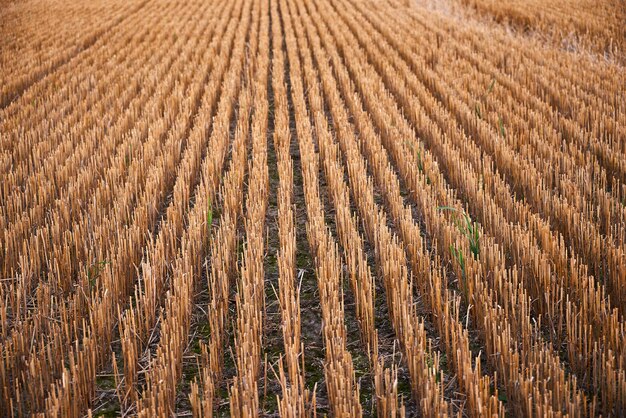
(471, 172)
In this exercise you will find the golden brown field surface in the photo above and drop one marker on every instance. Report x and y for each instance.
(303, 208)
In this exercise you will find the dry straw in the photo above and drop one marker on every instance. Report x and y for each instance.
(485, 172)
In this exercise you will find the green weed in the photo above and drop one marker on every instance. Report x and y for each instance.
(418, 156)
(94, 271)
(482, 97)
(468, 228)
(209, 215)
(502, 397)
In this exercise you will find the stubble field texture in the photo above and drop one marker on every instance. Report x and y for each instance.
(303, 208)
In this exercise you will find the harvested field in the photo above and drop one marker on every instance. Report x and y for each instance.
(304, 208)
